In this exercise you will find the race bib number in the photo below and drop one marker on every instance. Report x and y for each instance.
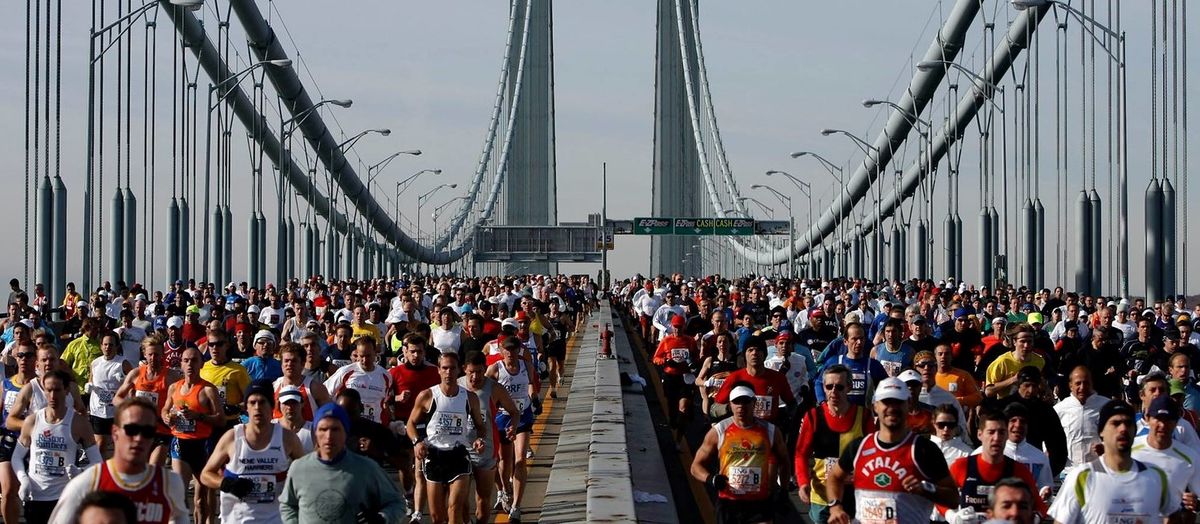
(371, 412)
(1128, 518)
(152, 396)
(105, 396)
(858, 383)
(450, 423)
(744, 480)
(521, 403)
(762, 406)
(10, 398)
(680, 355)
(50, 463)
(263, 491)
(877, 511)
(183, 425)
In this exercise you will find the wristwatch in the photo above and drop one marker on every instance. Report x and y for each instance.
(928, 486)
(835, 502)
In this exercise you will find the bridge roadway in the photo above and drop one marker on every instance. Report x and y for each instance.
(604, 453)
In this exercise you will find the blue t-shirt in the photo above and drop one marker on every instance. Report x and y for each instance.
(865, 372)
(896, 362)
(263, 369)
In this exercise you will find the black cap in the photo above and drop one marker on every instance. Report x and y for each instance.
(1111, 409)
(261, 387)
(1029, 374)
(1163, 407)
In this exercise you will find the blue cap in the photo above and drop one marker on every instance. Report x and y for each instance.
(160, 322)
(963, 311)
(331, 410)
(1163, 407)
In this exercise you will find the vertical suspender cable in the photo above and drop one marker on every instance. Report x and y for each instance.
(1183, 289)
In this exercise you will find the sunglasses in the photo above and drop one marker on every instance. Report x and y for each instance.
(946, 425)
(924, 365)
(25, 354)
(145, 430)
(835, 387)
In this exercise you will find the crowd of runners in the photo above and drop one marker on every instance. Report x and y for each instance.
(382, 400)
(926, 400)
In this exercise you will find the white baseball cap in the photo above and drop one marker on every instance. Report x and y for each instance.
(891, 389)
(909, 375)
(287, 393)
(740, 392)
(175, 322)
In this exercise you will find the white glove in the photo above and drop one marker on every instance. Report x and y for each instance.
(25, 492)
(965, 515)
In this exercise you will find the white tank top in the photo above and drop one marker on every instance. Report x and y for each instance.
(372, 386)
(107, 376)
(485, 409)
(37, 395)
(517, 385)
(304, 434)
(267, 467)
(52, 452)
(447, 426)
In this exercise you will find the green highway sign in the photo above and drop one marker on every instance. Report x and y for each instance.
(691, 226)
(652, 226)
(732, 226)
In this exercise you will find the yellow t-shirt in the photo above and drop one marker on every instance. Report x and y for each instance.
(1007, 366)
(365, 330)
(230, 379)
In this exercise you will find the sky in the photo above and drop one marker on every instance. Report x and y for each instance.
(780, 71)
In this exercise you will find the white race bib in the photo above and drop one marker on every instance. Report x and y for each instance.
(152, 396)
(744, 479)
(450, 423)
(264, 491)
(50, 463)
(762, 406)
(877, 511)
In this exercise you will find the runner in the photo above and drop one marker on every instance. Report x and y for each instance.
(250, 464)
(897, 476)
(332, 485)
(751, 458)
(192, 409)
(491, 395)
(516, 377)
(365, 376)
(677, 358)
(412, 376)
(1078, 414)
(976, 475)
(108, 372)
(313, 393)
(149, 381)
(290, 400)
(771, 388)
(25, 354)
(1115, 487)
(1158, 447)
(51, 439)
(448, 411)
(230, 379)
(824, 433)
(156, 492)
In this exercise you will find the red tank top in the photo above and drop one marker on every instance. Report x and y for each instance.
(880, 469)
(153, 390)
(306, 400)
(151, 501)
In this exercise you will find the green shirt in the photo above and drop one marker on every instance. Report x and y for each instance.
(319, 493)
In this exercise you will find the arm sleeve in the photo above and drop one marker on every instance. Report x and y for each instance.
(804, 442)
(18, 462)
(289, 505)
(819, 384)
(723, 393)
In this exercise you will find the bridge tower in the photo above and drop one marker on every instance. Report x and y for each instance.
(529, 193)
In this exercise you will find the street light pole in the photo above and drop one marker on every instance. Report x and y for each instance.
(787, 201)
(421, 203)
